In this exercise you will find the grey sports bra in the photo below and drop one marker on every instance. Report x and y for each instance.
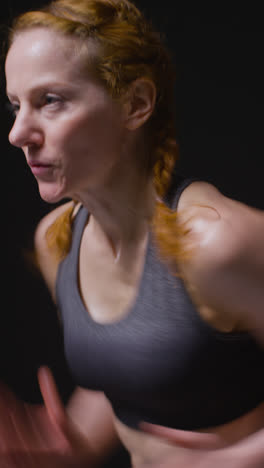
(161, 363)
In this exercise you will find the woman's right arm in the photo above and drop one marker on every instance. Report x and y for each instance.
(82, 434)
(86, 423)
(47, 262)
(51, 436)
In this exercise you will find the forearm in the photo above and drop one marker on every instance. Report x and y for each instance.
(92, 413)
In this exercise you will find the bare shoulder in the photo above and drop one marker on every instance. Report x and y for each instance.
(218, 226)
(226, 243)
(47, 263)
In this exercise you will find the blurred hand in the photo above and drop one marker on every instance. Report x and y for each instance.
(200, 450)
(187, 439)
(41, 436)
(204, 459)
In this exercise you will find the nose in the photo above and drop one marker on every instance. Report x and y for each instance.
(25, 131)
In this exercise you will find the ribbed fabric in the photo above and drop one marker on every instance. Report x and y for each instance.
(161, 363)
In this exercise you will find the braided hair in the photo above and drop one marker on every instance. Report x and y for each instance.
(127, 48)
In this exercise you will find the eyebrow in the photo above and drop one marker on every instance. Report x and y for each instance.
(44, 87)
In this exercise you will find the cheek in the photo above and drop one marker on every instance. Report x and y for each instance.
(100, 133)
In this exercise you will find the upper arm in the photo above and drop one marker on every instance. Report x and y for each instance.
(226, 266)
(47, 262)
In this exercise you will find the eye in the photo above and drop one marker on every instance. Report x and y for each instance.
(12, 108)
(51, 100)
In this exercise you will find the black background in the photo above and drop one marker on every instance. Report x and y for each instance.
(218, 55)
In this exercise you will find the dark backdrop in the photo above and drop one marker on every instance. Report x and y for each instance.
(218, 57)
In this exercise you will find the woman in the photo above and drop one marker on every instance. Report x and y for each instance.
(155, 277)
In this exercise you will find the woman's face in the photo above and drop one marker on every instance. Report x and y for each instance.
(68, 126)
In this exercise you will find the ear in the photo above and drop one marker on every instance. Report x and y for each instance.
(140, 102)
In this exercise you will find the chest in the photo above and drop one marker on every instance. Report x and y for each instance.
(108, 287)
(149, 361)
(146, 333)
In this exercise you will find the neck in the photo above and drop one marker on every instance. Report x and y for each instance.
(121, 209)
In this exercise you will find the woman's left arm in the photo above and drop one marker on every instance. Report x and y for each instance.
(225, 270)
(226, 265)
(202, 451)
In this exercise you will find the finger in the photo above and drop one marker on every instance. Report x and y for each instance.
(23, 426)
(68, 432)
(55, 408)
(187, 439)
(52, 398)
(13, 422)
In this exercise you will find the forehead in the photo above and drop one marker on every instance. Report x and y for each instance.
(40, 53)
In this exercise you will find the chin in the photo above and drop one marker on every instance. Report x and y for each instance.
(52, 194)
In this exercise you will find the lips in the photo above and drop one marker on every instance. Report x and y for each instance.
(38, 165)
(40, 169)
